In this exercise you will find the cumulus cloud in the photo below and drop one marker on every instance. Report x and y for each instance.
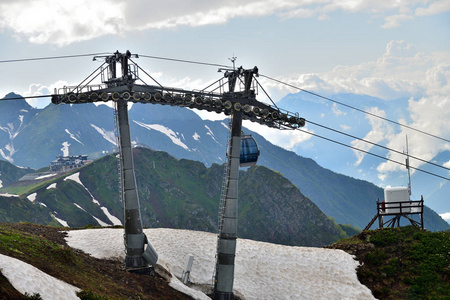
(287, 139)
(36, 89)
(381, 130)
(401, 72)
(63, 23)
(429, 114)
(446, 216)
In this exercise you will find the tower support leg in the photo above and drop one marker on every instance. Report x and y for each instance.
(226, 252)
(136, 258)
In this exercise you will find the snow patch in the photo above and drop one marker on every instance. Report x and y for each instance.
(263, 270)
(32, 197)
(76, 177)
(112, 218)
(1, 183)
(103, 224)
(72, 136)
(61, 221)
(65, 148)
(196, 136)
(211, 134)
(165, 130)
(107, 135)
(9, 195)
(46, 176)
(42, 204)
(28, 279)
(52, 186)
(79, 207)
(225, 125)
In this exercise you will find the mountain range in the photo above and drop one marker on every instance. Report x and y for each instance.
(334, 119)
(181, 194)
(33, 137)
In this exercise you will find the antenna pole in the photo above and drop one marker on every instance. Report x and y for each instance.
(407, 166)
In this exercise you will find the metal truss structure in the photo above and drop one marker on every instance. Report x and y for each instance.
(234, 94)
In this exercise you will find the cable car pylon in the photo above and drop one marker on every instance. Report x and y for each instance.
(241, 105)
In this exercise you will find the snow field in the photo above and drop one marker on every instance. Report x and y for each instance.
(263, 270)
(28, 279)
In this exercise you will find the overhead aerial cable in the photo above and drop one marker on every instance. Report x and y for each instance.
(370, 153)
(185, 61)
(355, 108)
(51, 57)
(378, 145)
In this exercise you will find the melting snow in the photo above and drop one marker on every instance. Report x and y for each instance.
(32, 197)
(225, 125)
(9, 195)
(263, 270)
(72, 136)
(76, 177)
(100, 222)
(107, 135)
(196, 136)
(46, 176)
(167, 131)
(112, 218)
(61, 221)
(52, 186)
(211, 134)
(79, 207)
(27, 279)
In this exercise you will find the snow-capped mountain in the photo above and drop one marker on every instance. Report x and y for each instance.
(41, 135)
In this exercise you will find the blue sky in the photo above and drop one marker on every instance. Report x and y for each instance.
(385, 49)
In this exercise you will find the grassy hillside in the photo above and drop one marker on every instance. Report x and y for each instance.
(180, 194)
(45, 248)
(402, 263)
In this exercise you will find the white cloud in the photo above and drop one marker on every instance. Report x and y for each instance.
(63, 23)
(446, 216)
(345, 127)
(395, 20)
(337, 111)
(287, 139)
(36, 89)
(447, 164)
(436, 7)
(381, 130)
(400, 72)
(431, 115)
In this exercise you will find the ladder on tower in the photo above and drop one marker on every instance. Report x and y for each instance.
(119, 157)
(222, 203)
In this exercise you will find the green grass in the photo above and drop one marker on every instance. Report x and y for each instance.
(404, 263)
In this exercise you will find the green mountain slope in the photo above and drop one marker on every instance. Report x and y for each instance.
(9, 173)
(402, 263)
(185, 194)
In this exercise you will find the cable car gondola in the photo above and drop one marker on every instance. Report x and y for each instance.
(249, 151)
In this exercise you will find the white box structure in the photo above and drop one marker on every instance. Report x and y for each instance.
(396, 197)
